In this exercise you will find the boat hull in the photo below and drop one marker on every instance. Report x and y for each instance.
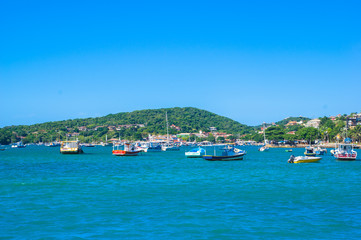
(345, 157)
(77, 151)
(307, 160)
(125, 153)
(170, 149)
(194, 155)
(223, 158)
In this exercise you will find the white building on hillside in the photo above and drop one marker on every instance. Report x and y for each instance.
(313, 123)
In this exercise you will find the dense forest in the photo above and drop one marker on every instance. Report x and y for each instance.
(134, 125)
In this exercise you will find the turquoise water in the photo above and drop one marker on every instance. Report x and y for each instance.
(46, 195)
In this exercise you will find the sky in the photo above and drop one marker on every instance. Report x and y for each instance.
(251, 61)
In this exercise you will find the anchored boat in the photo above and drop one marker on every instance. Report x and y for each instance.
(196, 153)
(70, 147)
(310, 151)
(303, 159)
(264, 148)
(129, 150)
(344, 151)
(229, 154)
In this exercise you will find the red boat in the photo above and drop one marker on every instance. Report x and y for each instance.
(129, 150)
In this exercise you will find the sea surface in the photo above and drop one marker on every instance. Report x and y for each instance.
(46, 195)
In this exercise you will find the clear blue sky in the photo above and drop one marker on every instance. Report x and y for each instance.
(252, 61)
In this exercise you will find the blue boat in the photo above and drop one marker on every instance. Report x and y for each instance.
(228, 154)
(196, 153)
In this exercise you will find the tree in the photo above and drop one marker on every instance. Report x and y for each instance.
(275, 133)
(210, 138)
(308, 134)
(355, 133)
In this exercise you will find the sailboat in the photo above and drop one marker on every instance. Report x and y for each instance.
(167, 146)
(264, 148)
(106, 142)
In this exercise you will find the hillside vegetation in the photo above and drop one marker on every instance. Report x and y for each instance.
(140, 124)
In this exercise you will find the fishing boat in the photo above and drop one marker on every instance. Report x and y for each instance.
(310, 151)
(230, 154)
(196, 153)
(70, 147)
(129, 150)
(345, 151)
(264, 148)
(303, 159)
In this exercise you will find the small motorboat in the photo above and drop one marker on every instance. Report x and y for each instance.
(288, 150)
(229, 154)
(310, 151)
(129, 150)
(303, 159)
(196, 153)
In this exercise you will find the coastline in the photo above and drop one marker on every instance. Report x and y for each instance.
(325, 145)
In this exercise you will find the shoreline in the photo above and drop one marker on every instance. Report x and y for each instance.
(325, 145)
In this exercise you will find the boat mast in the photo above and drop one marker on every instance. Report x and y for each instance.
(166, 118)
(264, 133)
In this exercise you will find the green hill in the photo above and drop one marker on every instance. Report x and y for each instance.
(132, 125)
(297, 119)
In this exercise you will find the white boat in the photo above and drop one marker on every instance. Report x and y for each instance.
(345, 151)
(264, 147)
(18, 145)
(70, 147)
(196, 153)
(303, 159)
(310, 151)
